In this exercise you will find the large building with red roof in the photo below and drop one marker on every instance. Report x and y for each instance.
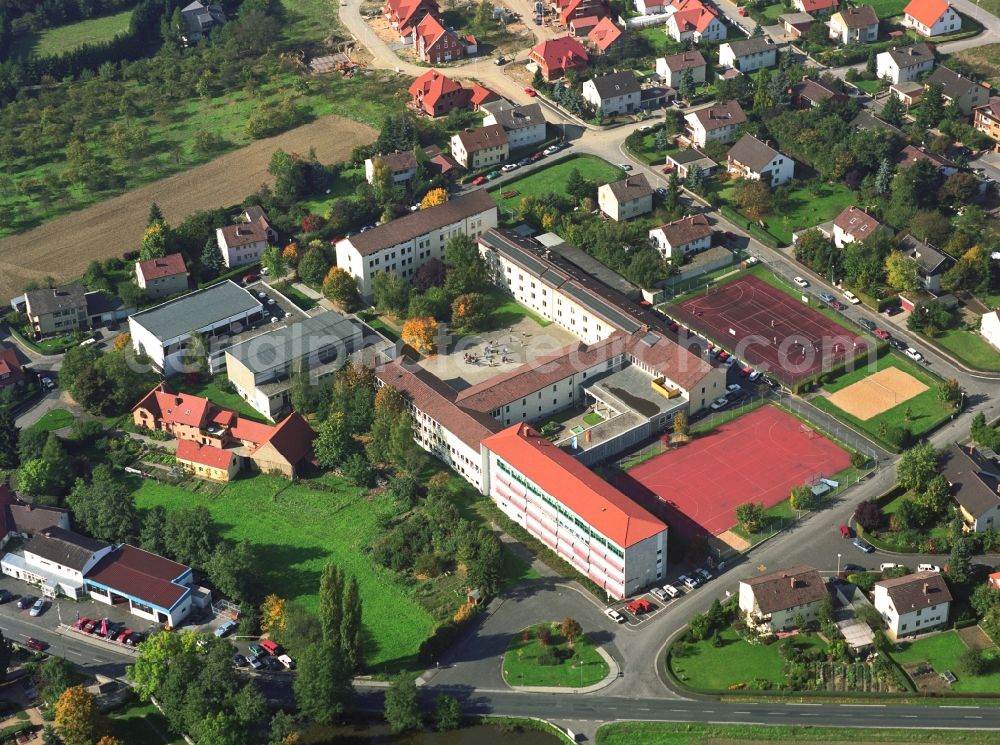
(405, 15)
(434, 43)
(932, 17)
(588, 522)
(437, 94)
(556, 57)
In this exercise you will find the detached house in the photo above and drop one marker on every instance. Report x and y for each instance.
(681, 237)
(904, 64)
(625, 199)
(781, 600)
(957, 89)
(606, 37)
(525, 125)
(685, 160)
(56, 310)
(932, 17)
(854, 25)
(556, 57)
(207, 461)
(752, 159)
(244, 242)
(796, 25)
(816, 7)
(618, 93)
(931, 263)
(912, 604)
(975, 486)
(910, 155)
(11, 373)
(747, 55)
(437, 94)
(478, 148)
(162, 277)
(854, 225)
(402, 166)
(718, 123)
(808, 94)
(692, 21)
(651, 7)
(405, 15)
(986, 118)
(434, 43)
(200, 19)
(670, 69)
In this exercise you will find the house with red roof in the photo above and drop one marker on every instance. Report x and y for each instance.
(605, 37)
(652, 7)
(480, 95)
(11, 372)
(556, 57)
(434, 43)
(405, 15)
(602, 533)
(207, 461)
(817, 7)
(932, 17)
(689, 20)
(437, 94)
(162, 277)
(578, 9)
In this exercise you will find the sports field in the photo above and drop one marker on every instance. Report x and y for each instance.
(876, 393)
(755, 458)
(769, 329)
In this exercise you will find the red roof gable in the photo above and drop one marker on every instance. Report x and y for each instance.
(429, 30)
(430, 86)
(481, 95)
(926, 12)
(206, 455)
(167, 266)
(293, 438)
(176, 408)
(560, 54)
(811, 6)
(251, 432)
(605, 33)
(143, 575)
(10, 365)
(584, 492)
(693, 18)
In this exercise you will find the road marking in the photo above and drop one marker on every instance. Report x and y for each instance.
(866, 706)
(808, 715)
(73, 651)
(708, 711)
(951, 706)
(742, 712)
(805, 704)
(972, 716)
(641, 709)
(684, 711)
(908, 716)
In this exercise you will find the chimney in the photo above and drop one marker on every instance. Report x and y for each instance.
(805, 78)
(927, 588)
(791, 582)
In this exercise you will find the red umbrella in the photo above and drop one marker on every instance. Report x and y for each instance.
(104, 627)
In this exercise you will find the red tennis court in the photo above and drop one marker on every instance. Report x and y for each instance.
(769, 329)
(758, 457)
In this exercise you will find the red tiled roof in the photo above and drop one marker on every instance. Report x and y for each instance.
(605, 33)
(559, 474)
(431, 86)
(586, 22)
(143, 575)
(293, 438)
(926, 12)
(430, 30)
(167, 266)
(811, 6)
(481, 95)
(559, 54)
(857, 223)
(176, 408)
(250, 431)
(693, 16)
(206, 455)
(9, 364)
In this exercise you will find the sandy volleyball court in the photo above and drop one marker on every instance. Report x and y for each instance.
(878, 392)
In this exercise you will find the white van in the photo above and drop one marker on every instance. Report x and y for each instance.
(88, 342)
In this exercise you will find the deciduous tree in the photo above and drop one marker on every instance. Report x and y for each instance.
(9, 436)
(750, 516)
(391, 292)
(272, 614)
(314, 266)
(755, 199)
(466, 268)
(421, 334)
(917, 467)
(447, 714)
(341, 288)
(350, 626)
(470, 312)
(950, 391)
(77, 718)
(331, 599)
(433, 198)
(322, 684)
(402, 708)
(900, 272)
(274, 261)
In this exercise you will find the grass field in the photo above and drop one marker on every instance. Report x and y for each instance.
(53, 419)
(887, 8)
(584, 668)
(925, 410)
(141, 723)
(942, 652)
(552, 179)
(670, 733)
(868, 86)
(648, 152)
(771, 12)
(296, 296)
(807, 205)
(508, 311)
(985, 60)
(64, 38)
(210, 389)
(970, 348)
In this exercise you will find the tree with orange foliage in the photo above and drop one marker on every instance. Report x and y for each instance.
(291, 253)
(421, 334)
(470, 312)
(342, 289)
(121, 341)
(272, 614)
(109, 740)
(77, 717)
(433, 198)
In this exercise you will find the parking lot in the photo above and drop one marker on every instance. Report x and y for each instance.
(657, 599)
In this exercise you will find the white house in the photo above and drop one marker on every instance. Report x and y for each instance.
(687, 235)
(989, 327)
(56, 561)
(670, 69)
(852, 225)
(402, 166)
(854, 25)
(747, 55)
(407, 243)
(783, 599)
(912, 604)
(162, 277)
(689, 20)
(959, 90)
(476, 149)
(651, 7)
(244, 242)
(718, 123)
(524, 125)
(904, 64)
(932, 17)
(617, 93)
(625, 199)
(752, 159)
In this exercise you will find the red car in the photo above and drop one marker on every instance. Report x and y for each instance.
(675, 326)
(479, 181)
(723, 355)
(248, 278)
(744, 372)
(845, 531)
(837, 305)
(530, 92)
(81, 623)
(743, 12)
(668, 169)
(881, 333)
(639, 606)
(535, 157)
(35, 644)
(121, 637)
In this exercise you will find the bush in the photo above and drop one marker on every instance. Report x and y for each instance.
(859, 460)
(973, 662)
(548, 658)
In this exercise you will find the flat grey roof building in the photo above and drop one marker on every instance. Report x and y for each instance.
(201, 309)
(294, 341)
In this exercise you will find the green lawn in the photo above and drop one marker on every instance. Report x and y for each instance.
(342, 186)
(210, 389)
(142, 723)
(53, 419)
(508, 312)
(926, 411)
(942, 652)
(296, 531)
(592, 419)
(807, 205)
(300, 299)
(868, 86)
(64, 38)
(771, 12)
(970, 348)
(648, 152)
(886, 8)
(579, 667)
(552, 179)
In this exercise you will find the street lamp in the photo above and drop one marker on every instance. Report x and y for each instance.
(838, 565)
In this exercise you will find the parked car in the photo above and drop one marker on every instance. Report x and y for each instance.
(826, 297)
(255, 663)
(492, 175)
(530, 92)
(239, 661)
(639, 606)
(851, 297)
(892, 310)
(551, 150)
(671, 591)
(703, 573)
(36, 644)
(755, 376)
(719, 404)
(123, 636)
(867, 324)
(24, 602)
(846, 532)
(881, 333)
(5, 597)
(800, 282)
(501, 60)
(134, 639)
(625, 166)
(887, 566)
(287, 661)
(270, 647)
(224, 628)
(863, 545)
(508, 167)
(660, 593)
(837, 305)
(688, 582)
(535, 157)
(734, 387)
(854, 568)
(928, 568)
(47, 382)
(913, 354)
(897, 344)
(257, 651)
(478, 181)
(614, 615)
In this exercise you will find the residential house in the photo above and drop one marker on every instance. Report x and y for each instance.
(854, 25)
(989, 327)
(670, 69)
(200, 19)
(11, 372)
(480, 148)
(524, 125)
(440, 163)
(437, 95)
(207, 461)
(994, 580)
(556, 57)
(681, 237)
(22, 520)
(407, 243)
(55, 559)
(904, 64)
(162, 277)
(752, 159)
(434, 43)
(931, 263)
(606, 37)
(747, 55)
(57, 310)
(912, 604)
(625, 199)
(932, 17)
(796, 25)
(692, 21)
(959, 90)
(784, 599)
(975, 486)
(911, 154)
(651, 7)
(479, 96)
(716, 123)
(684, 160)
(245, 242)
(405, 15)
(617, 93)
(986, 118)
(808, 94)
(655, 97)
(852, 225)
(816, 7)
(402, 166)
(577, 10)
(867, 121)
(908, 92)
(582, 26)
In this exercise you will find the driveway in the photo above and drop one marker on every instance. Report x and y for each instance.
(989, 162)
